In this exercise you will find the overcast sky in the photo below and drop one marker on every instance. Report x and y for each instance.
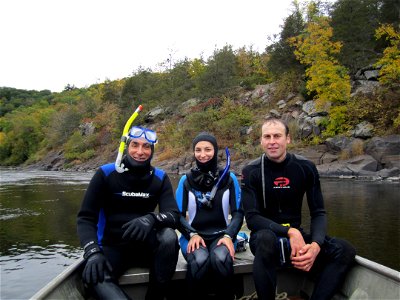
(47, 44)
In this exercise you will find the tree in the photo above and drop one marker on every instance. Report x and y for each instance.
(354, 24)
(389, 12)
(22, 132)
(390, 61)
(325, 76)
(281, 57)
(252, 67)
(220, 74)
(62, 124)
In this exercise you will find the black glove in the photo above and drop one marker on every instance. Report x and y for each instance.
(165, 219)
(138, 228)
(96, 265)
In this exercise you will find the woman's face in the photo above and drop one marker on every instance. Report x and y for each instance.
(204, 151)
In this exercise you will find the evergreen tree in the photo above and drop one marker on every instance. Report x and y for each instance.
(281, 57)
(354, 24)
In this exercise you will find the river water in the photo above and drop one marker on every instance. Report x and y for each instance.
(38, 223)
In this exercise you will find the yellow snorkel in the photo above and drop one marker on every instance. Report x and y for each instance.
(118, 165)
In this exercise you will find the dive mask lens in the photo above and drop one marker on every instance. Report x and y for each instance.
(149, 135)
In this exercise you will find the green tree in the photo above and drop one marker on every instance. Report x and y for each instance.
(389, 12)
(354, 24)
(390, 61)
(252, 67)
(325, 76)
(22, 133)
(281, 57)
(63, 123)
(220, 74)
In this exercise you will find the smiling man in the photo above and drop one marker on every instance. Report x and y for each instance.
(119, 228)
(273, 187)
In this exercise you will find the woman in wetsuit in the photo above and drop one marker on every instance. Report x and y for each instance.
(208, 235)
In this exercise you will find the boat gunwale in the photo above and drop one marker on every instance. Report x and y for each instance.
(58, 280)
(378, 268)
(242, 267)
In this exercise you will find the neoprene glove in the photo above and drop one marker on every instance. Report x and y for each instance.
(96, 265)
(139, 228)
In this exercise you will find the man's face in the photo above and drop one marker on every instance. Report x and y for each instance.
(139, 149)
(274, 140)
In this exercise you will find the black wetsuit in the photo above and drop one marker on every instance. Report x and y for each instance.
(271, 212)
(111, 200)
(211, 223)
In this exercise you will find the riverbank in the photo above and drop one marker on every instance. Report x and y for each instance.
(379, 159)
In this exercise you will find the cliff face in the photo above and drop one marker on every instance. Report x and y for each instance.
(380, 160)
(359, 154)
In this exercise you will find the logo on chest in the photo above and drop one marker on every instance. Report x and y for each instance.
(135, 195)
(281, 183)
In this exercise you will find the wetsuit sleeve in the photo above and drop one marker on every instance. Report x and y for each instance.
(236, 208)
(253, 203)
(181, 200)
(318, 226)
(88, 214)
(168, 215)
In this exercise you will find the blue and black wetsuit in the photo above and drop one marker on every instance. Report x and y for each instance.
(111, 200)
(211, 223)
(272, 205)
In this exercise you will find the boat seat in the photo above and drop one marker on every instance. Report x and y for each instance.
(243, 264)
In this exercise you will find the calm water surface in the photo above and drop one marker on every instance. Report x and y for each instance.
(38, 223)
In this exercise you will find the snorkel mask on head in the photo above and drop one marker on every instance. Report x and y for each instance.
(138, 131)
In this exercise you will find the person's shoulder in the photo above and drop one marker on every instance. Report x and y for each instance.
(305, 163)
(302, 159)
(159, 173)
(254, 163)
(107, 168)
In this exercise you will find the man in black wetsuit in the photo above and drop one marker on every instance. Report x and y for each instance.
(273, 187)
(119, 228)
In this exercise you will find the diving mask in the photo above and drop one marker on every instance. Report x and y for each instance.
(148, 134)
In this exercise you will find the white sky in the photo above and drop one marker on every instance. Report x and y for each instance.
(47, 44)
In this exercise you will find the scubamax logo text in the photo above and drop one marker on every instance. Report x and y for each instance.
(137, 195)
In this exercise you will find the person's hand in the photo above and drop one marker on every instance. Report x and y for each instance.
(307, 256)
(139, 228)
(194, 243)
(296, 241)
(96, 265)
(229, 244)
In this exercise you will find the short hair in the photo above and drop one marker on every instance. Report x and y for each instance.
(274, 120)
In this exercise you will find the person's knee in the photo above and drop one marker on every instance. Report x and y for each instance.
(348, 252)
(221, 261)
(167, 237)
(264, 244)
(167, 242)
(344, 252)
(198, 263)
(108, 289)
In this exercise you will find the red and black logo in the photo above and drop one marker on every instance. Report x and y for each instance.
(281, 181)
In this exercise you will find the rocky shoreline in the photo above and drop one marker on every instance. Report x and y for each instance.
(379, 159)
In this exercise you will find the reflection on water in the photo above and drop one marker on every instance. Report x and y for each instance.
(27, 268)
(38, 223)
